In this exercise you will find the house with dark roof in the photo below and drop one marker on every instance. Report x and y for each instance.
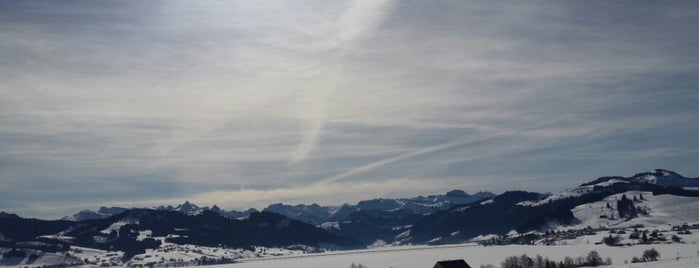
(452, 264)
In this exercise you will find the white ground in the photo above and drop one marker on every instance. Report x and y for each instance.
(44, 259)
(663, 209)
(421, 257)
(187, 254)
(95, 256)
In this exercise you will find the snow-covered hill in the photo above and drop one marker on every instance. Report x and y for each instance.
(659, 177)
(660, 210)
(656, 198)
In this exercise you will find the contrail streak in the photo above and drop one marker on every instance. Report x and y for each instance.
(357, 22)
(417, 152)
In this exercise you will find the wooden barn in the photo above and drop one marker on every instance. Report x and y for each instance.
(452, 264)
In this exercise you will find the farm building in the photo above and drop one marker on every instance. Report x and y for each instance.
(452, 264)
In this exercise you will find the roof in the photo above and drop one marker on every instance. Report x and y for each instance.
(452, 264)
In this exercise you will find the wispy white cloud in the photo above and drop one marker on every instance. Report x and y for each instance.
(400, 157)
(359, 21)
(285, 99)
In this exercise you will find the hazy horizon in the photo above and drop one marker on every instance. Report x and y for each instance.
(307, 202)
(247, 103)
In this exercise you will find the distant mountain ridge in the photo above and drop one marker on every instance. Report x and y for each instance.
(375, 221)
(192, 209)
(316, 214)
(186, 208)
(103, 212)
(370, 221)
(312, 214)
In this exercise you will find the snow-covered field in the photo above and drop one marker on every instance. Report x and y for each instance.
(188, 254)
(170, 253)
(95, 256)
(672, 256)
(425, 257)
(35, 258)
(663, 210)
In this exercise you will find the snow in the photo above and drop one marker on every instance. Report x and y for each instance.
(570, 193)
(36, 258)
(435, 239)
(484, 237)
(487, 202)
(174, 254)
(610, 182)
(672, 255)
(676, 263)
(664, 213)
(652, 179)
(573, 192)
(403, 235)
(675, 209)
(144, 234)
(422, 256)
(117, 225)
(96, 256)
(330, 225)
(663, 210)
(64, 238)
(378, 243)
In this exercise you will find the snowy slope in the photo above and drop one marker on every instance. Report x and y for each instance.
(420, 257)
(659, 177)
(662, 210)
(35, 258)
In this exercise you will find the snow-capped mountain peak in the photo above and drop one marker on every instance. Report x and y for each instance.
(640, 181)
(316, 214)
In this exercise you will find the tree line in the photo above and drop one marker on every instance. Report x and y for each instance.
(591, 259)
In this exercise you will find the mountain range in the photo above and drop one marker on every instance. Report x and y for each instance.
(453, 217)
(316, 214)
(313, 214)
(184, 208)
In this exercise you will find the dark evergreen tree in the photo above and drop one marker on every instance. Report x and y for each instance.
(644, 237)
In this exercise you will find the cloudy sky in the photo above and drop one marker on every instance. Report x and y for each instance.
(246, 103)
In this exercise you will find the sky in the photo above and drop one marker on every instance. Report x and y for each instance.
(247, 103)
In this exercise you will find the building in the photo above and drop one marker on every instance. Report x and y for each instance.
(452, 264)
